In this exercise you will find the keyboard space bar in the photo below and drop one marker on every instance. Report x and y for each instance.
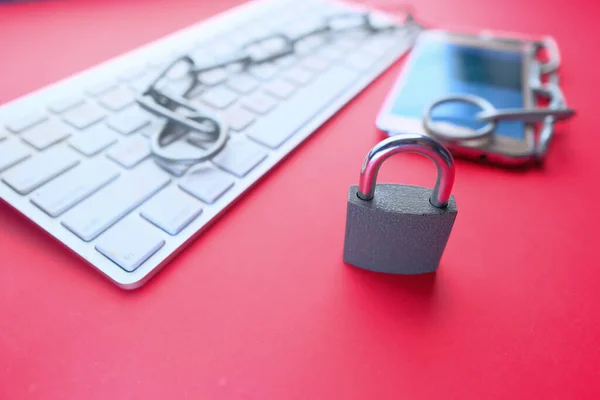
(274, 129)
(96, 214)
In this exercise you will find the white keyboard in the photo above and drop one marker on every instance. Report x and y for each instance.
(75, 158)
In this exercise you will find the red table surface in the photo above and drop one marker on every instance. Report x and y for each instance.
(262, 306)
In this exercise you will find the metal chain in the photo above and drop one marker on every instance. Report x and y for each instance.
(206, 130)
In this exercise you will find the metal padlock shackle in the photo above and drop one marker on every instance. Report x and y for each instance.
(413, 143)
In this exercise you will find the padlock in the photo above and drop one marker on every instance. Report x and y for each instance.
(400, 229)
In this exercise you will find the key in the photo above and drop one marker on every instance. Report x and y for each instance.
(221, 48)
(280, 88)
(130, 152)
(179, 71)
(172, 168)
(129, 120)
(73, 187)
(23, 122)
(142, 83)
(331, 53)
(260, 103)
(378, 46)
(176, 88)
(130, 243)
(65, 104)
(299, 76)
(275, 129)
(172, 210)
(240, 156)
(316, 63)
(347, 44)
(214, 77)
(242, 83)
(309, 45)
(100, 88)
(133, 73)
(93, 140)
(84, 115)
(219, 97)
(45, 135)
(286, 61)
(12, 152)
(33, 173)
(155, 126)
(264, 71)
(360, 61)
(116, 99)
(97, 213)
(206, 183)
(238, 118)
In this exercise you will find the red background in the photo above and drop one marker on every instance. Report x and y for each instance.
(512, 313)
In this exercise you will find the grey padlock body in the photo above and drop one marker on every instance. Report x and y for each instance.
(398, 231)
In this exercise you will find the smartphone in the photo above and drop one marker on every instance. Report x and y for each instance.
(449, 63)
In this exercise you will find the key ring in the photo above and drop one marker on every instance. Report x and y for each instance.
(453, 133)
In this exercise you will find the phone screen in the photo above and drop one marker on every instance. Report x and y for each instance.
(441, 68)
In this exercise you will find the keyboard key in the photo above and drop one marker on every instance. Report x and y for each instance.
(23, 122)
(347, 44)
(299, 76)
(142, 83)
(12, 152)
(129, 120)
(103, 209)
(286, 61)
(260, 103)
(130, 152)
(153, 128)
(116, 99)
(74, 186)
(221, 48)
(309, 45)
(176, 88)
(133, 73)
(264, 71)
(45, 135)
(219, 97)
(130, 243)
(242, 83)
(65, 104)
(238, 118)
(84, 115)
(100, 87)
(206, 183)
(33, 173)
(214, 77)
(179, 71)
(280, 88)
(172, 210)
(240, 156)
(275, 129)
(378, 46)
(93, 140)
(360, 61)
(316, 63)
(172, 168)
(331, 53)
